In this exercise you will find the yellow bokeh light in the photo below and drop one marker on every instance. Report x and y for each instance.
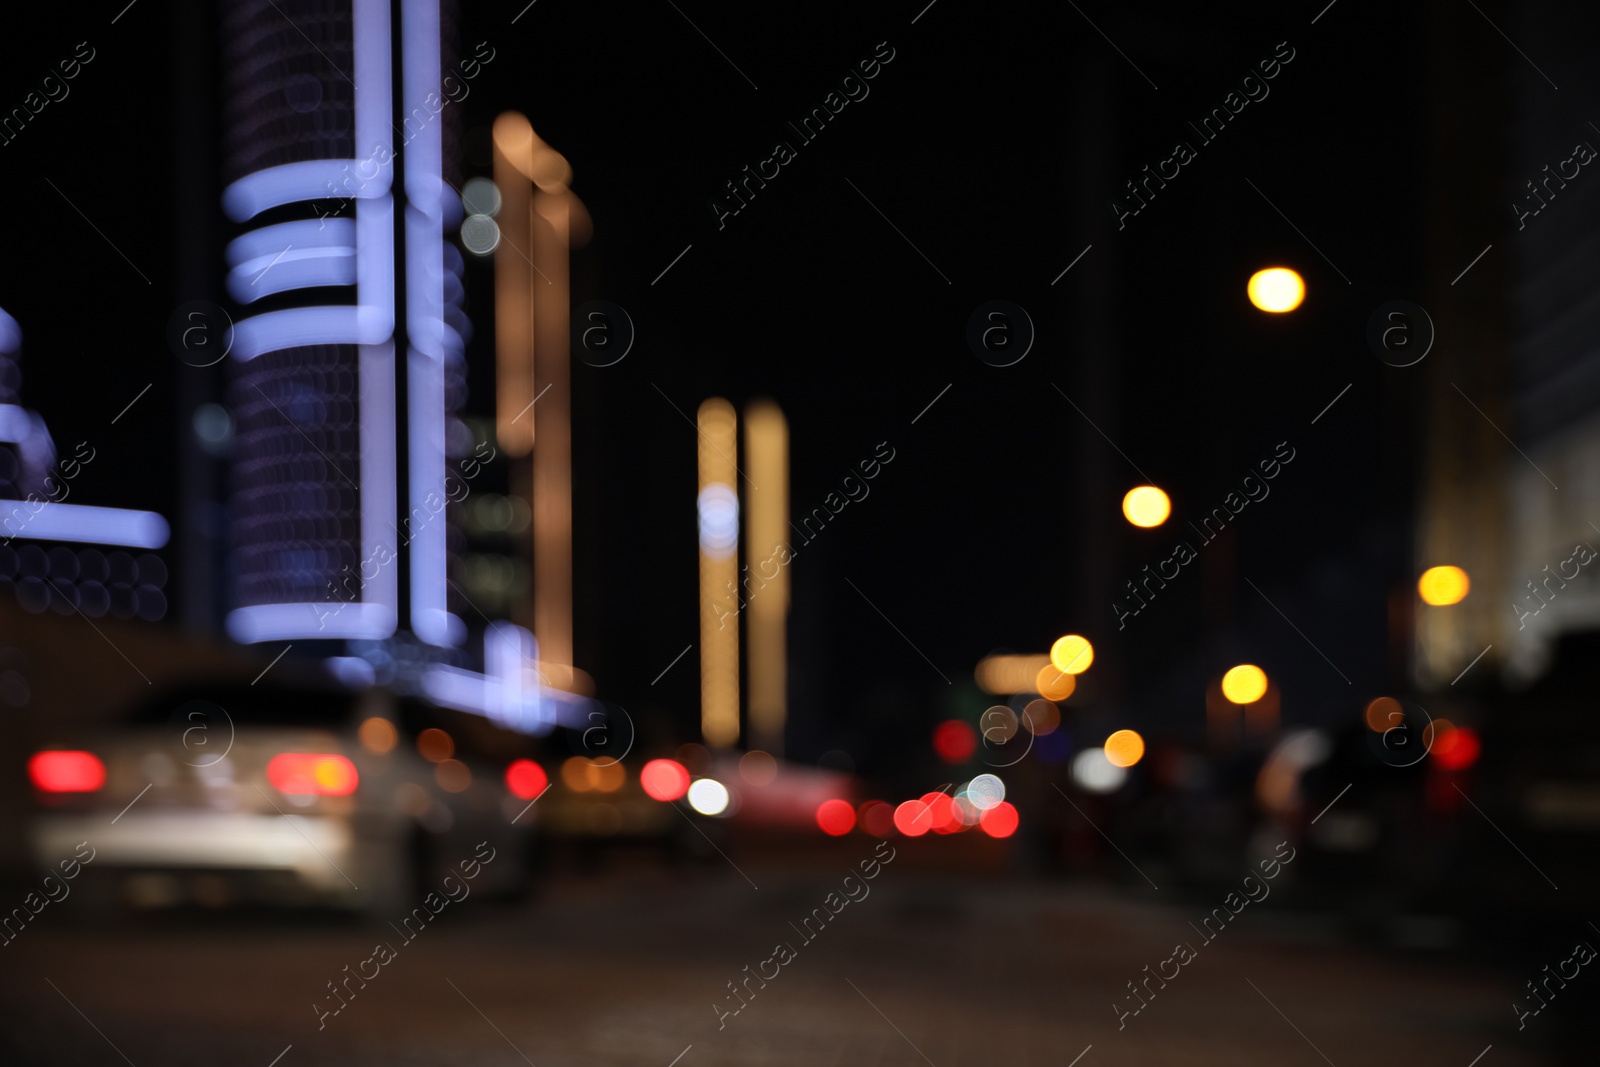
(1072, 654)
(1124, 748)
(1004, 674)
(1245, 684)
(1276, 289)
(1442, 586)
(1053, 684)
(329, 773)
(1146, 506)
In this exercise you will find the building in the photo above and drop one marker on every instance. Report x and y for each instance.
(348, 349)
(56, 552)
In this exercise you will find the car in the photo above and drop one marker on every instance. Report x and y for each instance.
(302, 794)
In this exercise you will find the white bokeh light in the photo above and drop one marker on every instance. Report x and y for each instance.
(986, 791)
(1095, 773)
(708, 796)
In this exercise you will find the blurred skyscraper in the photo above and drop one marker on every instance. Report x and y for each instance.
(348, 351)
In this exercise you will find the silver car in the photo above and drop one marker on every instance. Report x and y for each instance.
(311, 795)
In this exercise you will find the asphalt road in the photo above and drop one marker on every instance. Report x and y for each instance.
(626, 969)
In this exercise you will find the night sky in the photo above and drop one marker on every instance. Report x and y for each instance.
(984, 157)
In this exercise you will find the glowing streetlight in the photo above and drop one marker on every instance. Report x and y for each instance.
(1442, 586)
(1053, 684)
(1124, 748)
(1276, 289)
(1245, 684)
(1146, 506)
(708, 796)
(1071, 654)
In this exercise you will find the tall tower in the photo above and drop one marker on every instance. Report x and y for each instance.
(347, 353)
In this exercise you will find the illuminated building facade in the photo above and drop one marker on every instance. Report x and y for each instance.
(348, 350)
(61, 556)
(718, 508)
(1510, 485)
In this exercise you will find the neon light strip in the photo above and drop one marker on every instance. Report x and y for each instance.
(10, 333)
(295, 328)
(375, 376)
(351, 670)
(265, 275)
(430, 617)
(84, 524)
(424, 222)
(507, 651)
(427, 522)
(480, 694)
(268, 241)
(17, 423)
(375, 296)
(373, 90)
(375, 267)
(311, 179)
(279, 622)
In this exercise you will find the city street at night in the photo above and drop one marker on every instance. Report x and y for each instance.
(684, 533)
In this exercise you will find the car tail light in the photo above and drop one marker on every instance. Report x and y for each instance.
(526, 779)
(664, 779)
(312, 774)
(66, 772)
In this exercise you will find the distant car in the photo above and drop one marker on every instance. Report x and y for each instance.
(304, 795)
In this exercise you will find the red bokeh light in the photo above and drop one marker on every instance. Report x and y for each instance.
(954, 741)
(836, 817)
(323, 774)
(664, 779)
(911, 818)
(1457, 749)
(66, 772)
(877, 818)
(526, 779)
(999, 821)
(943, 817)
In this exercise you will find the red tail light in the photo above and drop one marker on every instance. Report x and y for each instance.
(312, 774)
(526, 779)
(66, 772)
(1457, 749)
(664, 779)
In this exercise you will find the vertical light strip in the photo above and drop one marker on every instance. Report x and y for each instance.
(508, 650)
(718, 508)
(375, 309)
(426, 523)
(373, 89)
(513, 278)
(765, 586)
(424, 220)
(379, 542)
(552, 453)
